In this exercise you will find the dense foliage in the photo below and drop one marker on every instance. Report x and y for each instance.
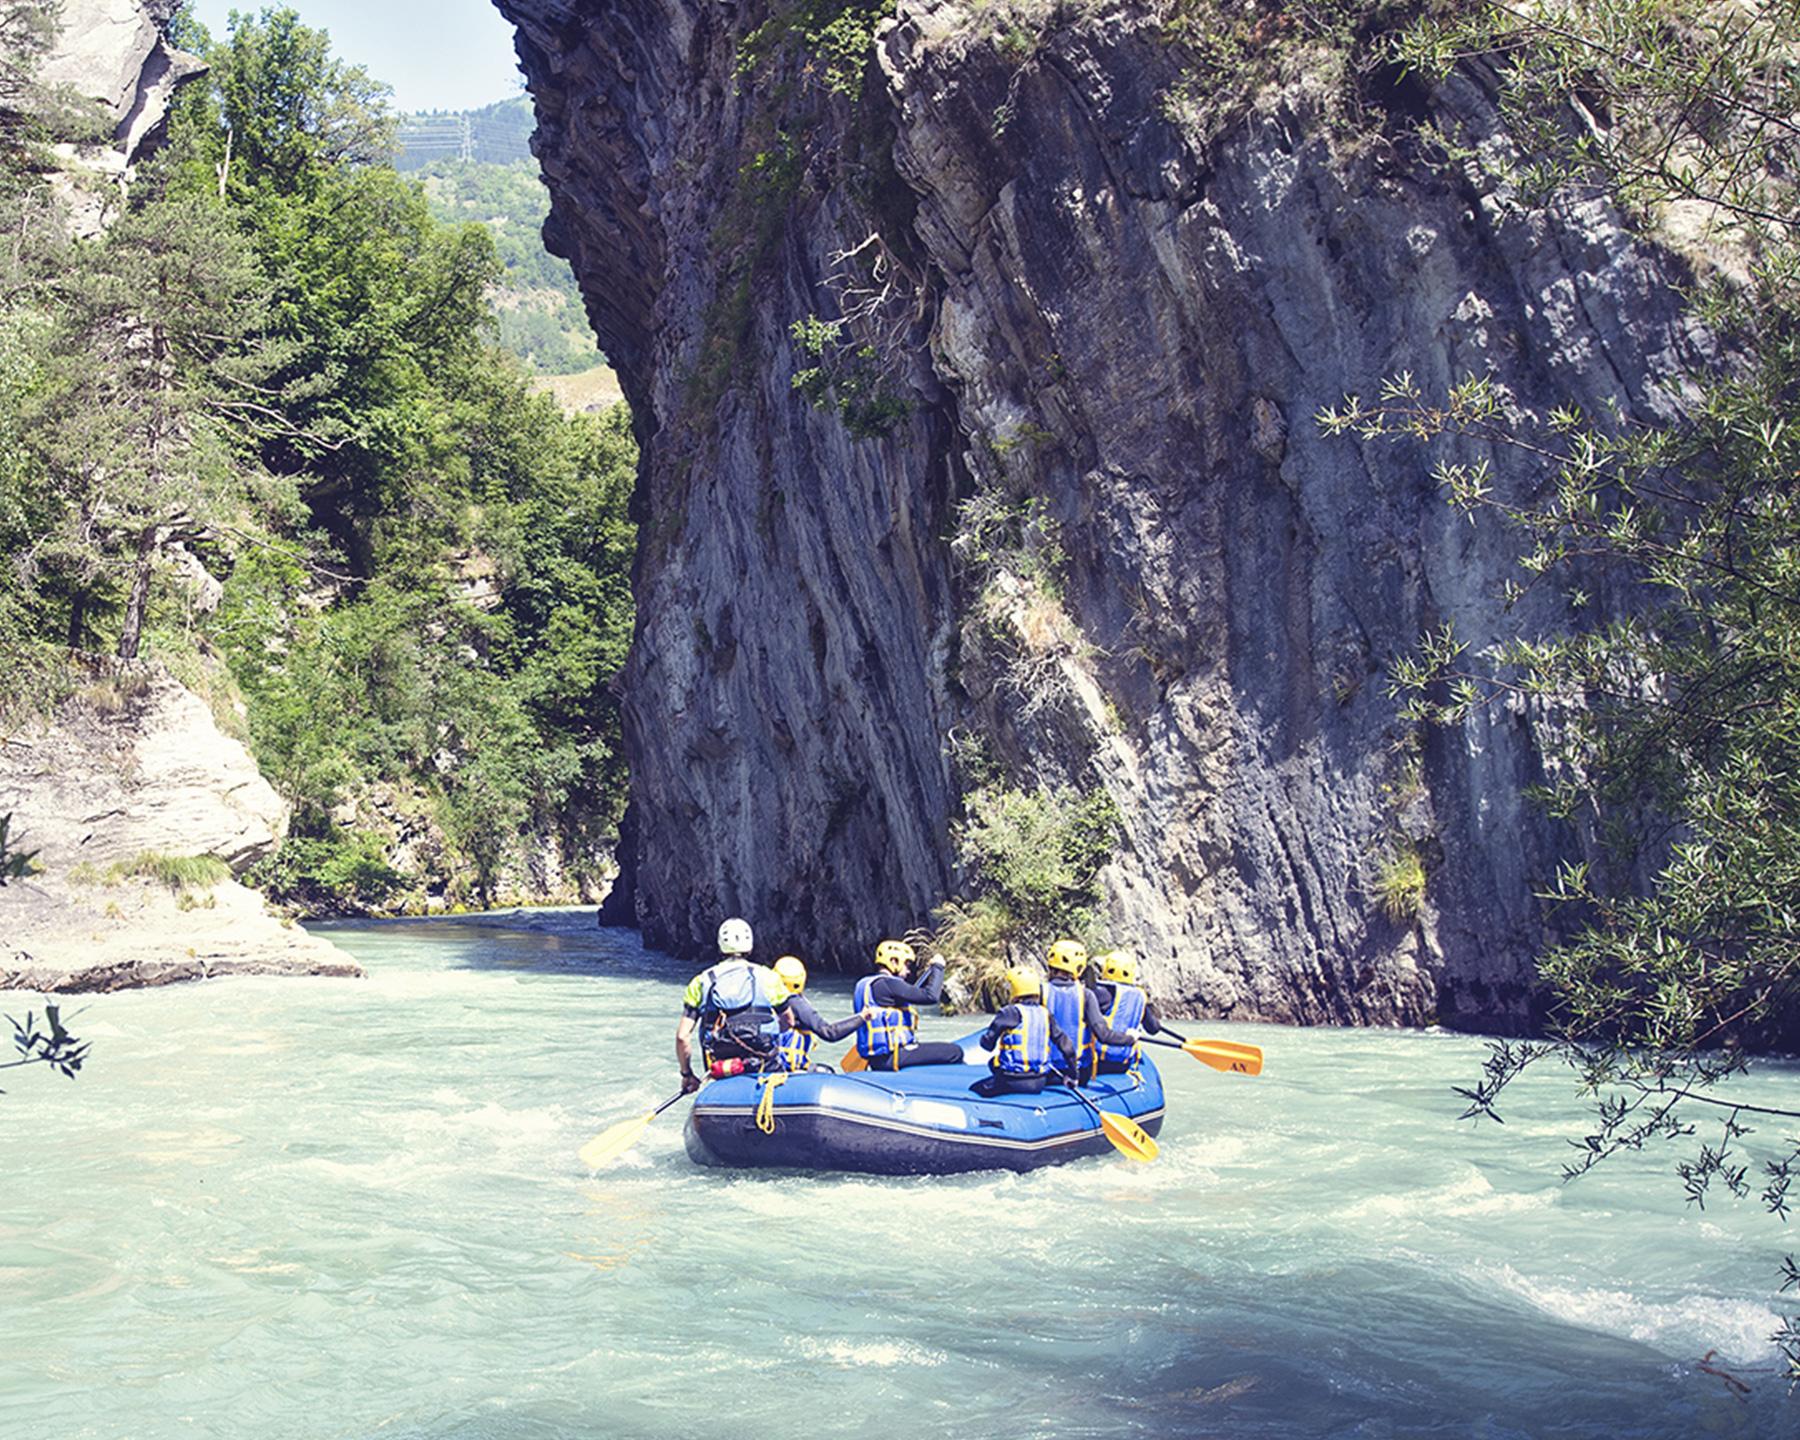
(1676, 717)
(257, 430)
(1033, 859)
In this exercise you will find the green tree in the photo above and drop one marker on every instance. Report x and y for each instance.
(1678, 715)
(279, 360)
(153, 336)
(289, 112)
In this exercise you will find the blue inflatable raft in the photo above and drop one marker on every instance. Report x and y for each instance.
(924, 1121)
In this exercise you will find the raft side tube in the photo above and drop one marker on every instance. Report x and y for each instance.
(923, 1121)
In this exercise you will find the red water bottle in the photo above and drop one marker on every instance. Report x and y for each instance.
(723, 1069)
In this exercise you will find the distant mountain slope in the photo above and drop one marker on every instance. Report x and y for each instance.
(497, 134)
(476, 165)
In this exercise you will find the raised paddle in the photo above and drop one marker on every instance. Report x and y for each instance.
(1128, 1137)
(609, 1145)
(1226, 1055)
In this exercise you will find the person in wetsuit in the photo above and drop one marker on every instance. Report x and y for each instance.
(1076, 1008)
(804, 1027)
(1125, 1006)
(736, 1007)
(888, 1036)
(1025, 1041)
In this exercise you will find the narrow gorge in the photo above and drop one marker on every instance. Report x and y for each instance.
(977, 388)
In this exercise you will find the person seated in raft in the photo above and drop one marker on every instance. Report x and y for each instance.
(888, 1035)
(1125, 1006)
(1076, 1008)
(1027, 1039)
(803, 1027)
(736, 1007)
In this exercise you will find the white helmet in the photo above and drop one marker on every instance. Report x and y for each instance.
(735, 937)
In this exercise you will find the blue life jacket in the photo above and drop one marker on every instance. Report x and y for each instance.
(1127, 1013)
(737, 1011)
(893, 1027)
(1067, 1003)
(794, 1051)
(1025, 1049)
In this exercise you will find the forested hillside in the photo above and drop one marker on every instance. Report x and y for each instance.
(536, 302)
(259, 431)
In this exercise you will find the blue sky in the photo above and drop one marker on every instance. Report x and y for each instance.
(437, 54)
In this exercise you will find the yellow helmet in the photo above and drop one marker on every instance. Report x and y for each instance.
(792, 973)
(1070, 957)
(894, 956)
(1119, 968)
(1025, 983)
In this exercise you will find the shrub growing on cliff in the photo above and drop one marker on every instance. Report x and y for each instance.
(836, 36)
(181, 873)
(847, 380)
(1400, 882)
(1679, 715)
(1035, 858)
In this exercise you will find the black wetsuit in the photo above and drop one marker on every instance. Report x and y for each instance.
(1151, 1024)
(808, 1019)
(998, 1084)
(892, 990)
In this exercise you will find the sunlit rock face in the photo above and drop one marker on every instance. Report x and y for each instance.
(131, 768)
(116, 53)
(1090, 304)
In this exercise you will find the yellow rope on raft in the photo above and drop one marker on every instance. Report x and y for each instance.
(765, 1107)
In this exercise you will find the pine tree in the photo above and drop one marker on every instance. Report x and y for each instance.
(154, 339)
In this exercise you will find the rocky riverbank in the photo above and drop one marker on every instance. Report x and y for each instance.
(142, 814)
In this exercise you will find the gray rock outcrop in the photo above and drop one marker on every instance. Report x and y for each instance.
(116, 53)
(134, 767)
(1084, 298)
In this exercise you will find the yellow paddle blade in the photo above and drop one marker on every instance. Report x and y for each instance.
(1225, 1055)
(853, 1061)
(1129, 1138)
(611, 1144)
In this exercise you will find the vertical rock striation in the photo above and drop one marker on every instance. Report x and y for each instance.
(1088, 301)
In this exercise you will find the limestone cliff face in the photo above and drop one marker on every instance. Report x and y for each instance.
(1093, 301)
(117, 53)
(133, 766)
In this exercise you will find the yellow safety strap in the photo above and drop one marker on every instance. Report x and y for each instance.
(765, 1107)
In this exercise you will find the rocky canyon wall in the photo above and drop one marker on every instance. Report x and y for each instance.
(1089, 308)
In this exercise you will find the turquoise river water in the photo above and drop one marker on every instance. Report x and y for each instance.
(323, 1209)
